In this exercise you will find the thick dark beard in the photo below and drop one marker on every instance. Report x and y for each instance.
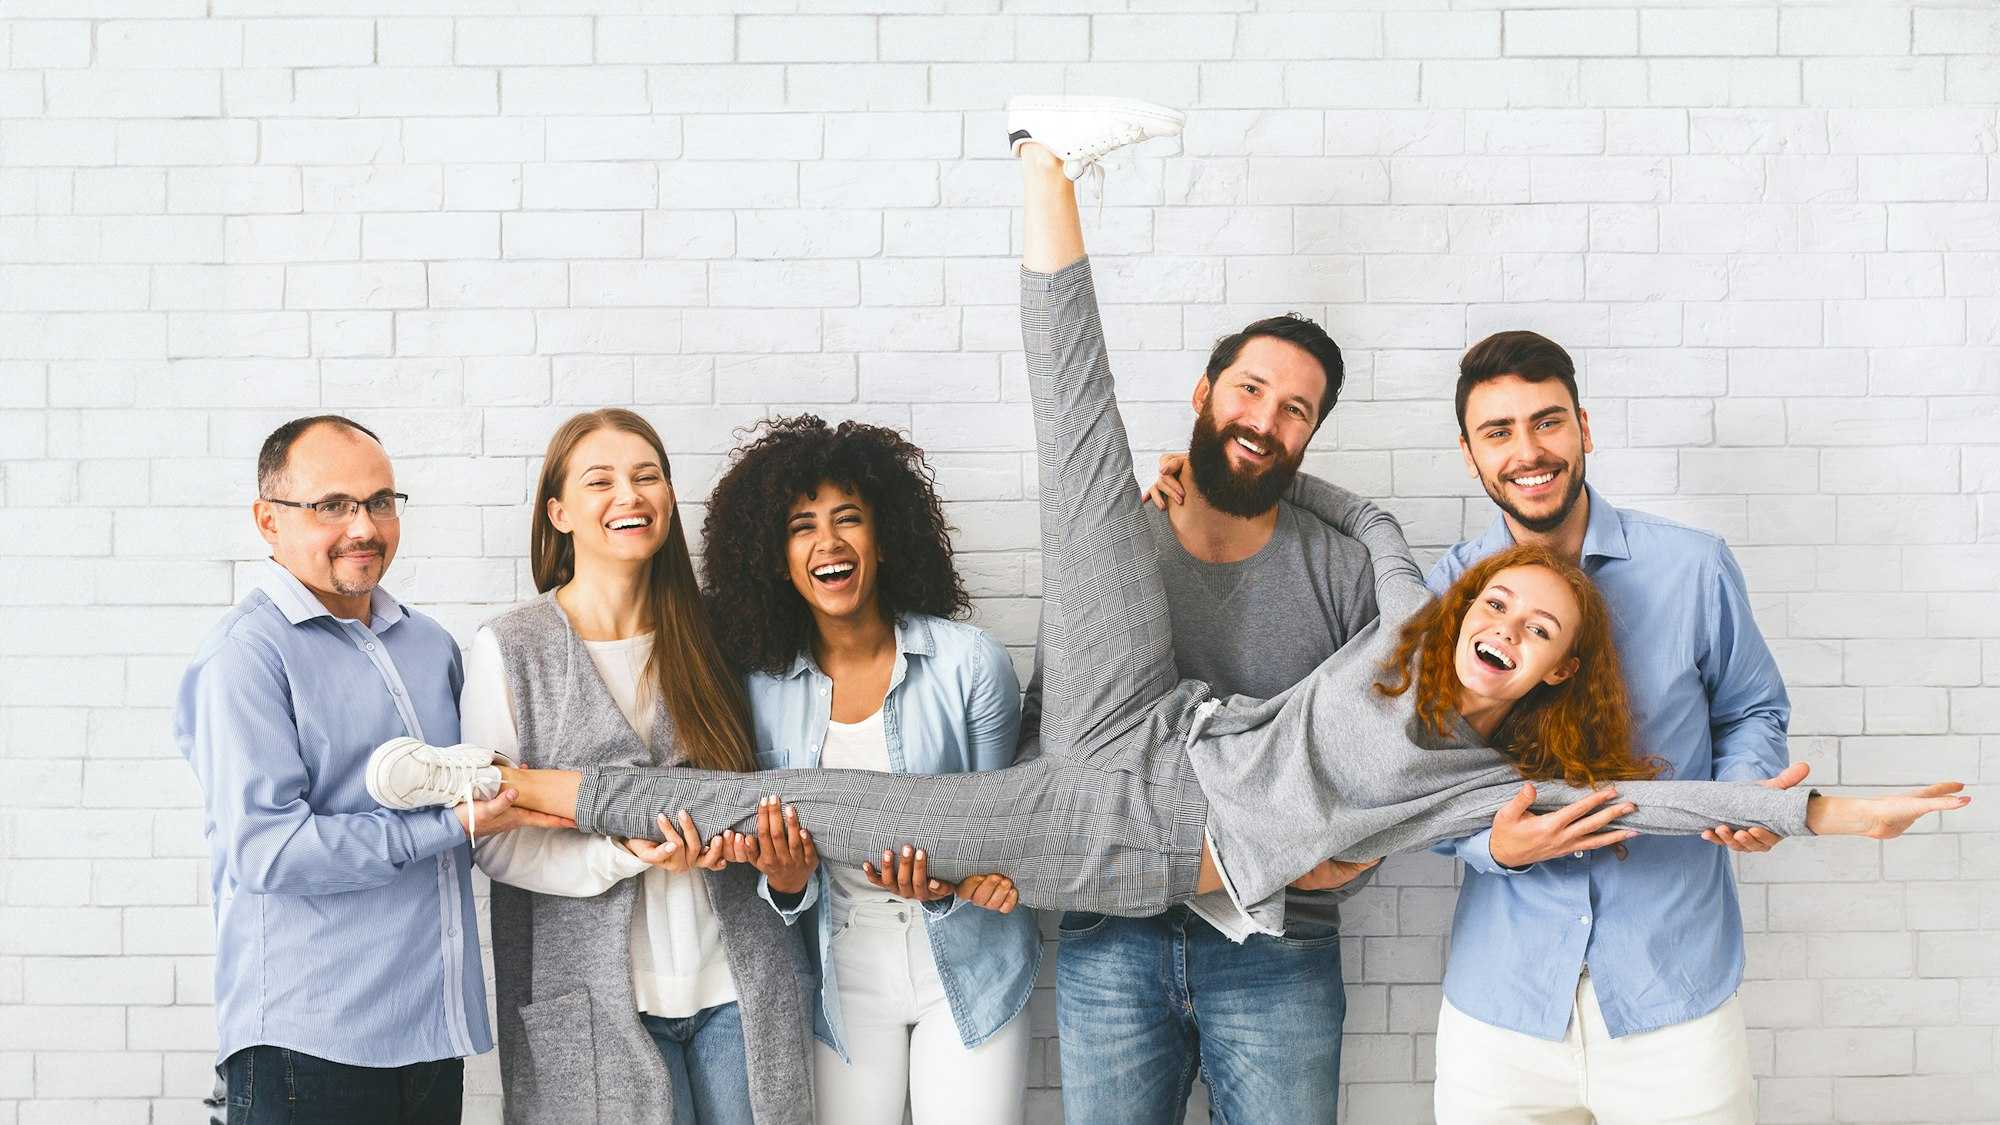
(1545, 524)
(1245, 496)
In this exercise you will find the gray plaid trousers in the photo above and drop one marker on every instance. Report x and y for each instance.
(1108, 817)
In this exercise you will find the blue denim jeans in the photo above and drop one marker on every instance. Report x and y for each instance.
(279, 1086)
(705, 1055)
(1143, 1004)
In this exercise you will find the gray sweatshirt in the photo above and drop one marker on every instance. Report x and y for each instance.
(1374, 780)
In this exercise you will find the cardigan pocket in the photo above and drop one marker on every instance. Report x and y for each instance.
(561, 1060)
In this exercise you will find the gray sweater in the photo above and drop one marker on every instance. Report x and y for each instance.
(572, 1048)
(1373, 780)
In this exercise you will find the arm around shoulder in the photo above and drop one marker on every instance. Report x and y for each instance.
(1399, 586)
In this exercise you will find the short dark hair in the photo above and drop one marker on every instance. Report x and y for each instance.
(1529, 355)
(1294, 329)
(277, 450)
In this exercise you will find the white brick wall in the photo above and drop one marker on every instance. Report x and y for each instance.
(1768, 232)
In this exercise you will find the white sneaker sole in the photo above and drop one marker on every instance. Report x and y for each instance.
(1133, 107)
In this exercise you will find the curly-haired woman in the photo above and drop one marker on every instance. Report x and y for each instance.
(1148, 791)
(830, 575)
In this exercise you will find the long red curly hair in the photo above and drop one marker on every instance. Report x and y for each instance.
(1578, 731)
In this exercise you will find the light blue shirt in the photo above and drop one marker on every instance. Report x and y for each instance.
(1661, 931)
(343, 929)
(954, 706)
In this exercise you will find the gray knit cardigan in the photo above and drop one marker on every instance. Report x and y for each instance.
(572, 1049)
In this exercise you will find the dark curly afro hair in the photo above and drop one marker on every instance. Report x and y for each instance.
(760, 620)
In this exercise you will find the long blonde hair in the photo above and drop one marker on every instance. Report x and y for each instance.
(711, 718)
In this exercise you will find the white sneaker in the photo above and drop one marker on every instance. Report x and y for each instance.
(405, 773)
(1083, 130)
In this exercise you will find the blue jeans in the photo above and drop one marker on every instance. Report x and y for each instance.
(1142, 1004)
(705, 1055)
(279, 1086)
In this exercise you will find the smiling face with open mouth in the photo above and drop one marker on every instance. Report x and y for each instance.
(1252, 424)
(1526, 441)
(1518, 633)
(830, 552)
(616, 503)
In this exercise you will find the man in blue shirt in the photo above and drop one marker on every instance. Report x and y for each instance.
(347, 973)
(1587, 984)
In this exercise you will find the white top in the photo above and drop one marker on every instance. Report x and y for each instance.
(855, 746)
(678, 963)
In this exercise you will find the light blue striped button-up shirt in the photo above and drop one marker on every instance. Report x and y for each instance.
(343, 929)
(1661, 931)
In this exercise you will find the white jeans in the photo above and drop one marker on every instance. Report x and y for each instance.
(898, 1029)
(1693, 1073)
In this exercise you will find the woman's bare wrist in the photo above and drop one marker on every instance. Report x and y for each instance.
(1828, 816)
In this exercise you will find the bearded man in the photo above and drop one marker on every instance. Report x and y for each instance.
(1260, 593)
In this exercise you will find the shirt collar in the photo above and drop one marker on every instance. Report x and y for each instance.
(1603, 536)
(913, 638)
(300, 605)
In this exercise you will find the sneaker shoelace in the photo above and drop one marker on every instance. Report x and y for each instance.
(471, 814)
(1094, 164)
(457, 780)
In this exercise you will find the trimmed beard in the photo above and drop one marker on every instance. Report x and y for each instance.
(350, 589)
(1230, 491)
(1548, 523)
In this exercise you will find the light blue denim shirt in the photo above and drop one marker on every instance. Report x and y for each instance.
(1661, 931)
(954, 706)
(343, 929)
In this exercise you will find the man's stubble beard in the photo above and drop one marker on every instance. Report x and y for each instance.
(1545, 524)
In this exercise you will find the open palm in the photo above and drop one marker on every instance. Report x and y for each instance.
(1890, 817)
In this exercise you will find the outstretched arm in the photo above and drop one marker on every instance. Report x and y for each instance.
(1674, 808)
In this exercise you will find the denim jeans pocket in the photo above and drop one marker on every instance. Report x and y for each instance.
(1079, 923)
(236, 1085)
(1308, 941)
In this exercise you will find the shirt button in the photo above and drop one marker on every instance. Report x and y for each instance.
(395, 691)
(1583, 918)
(370, 646)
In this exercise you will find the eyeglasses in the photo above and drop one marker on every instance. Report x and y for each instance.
(383, 507)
